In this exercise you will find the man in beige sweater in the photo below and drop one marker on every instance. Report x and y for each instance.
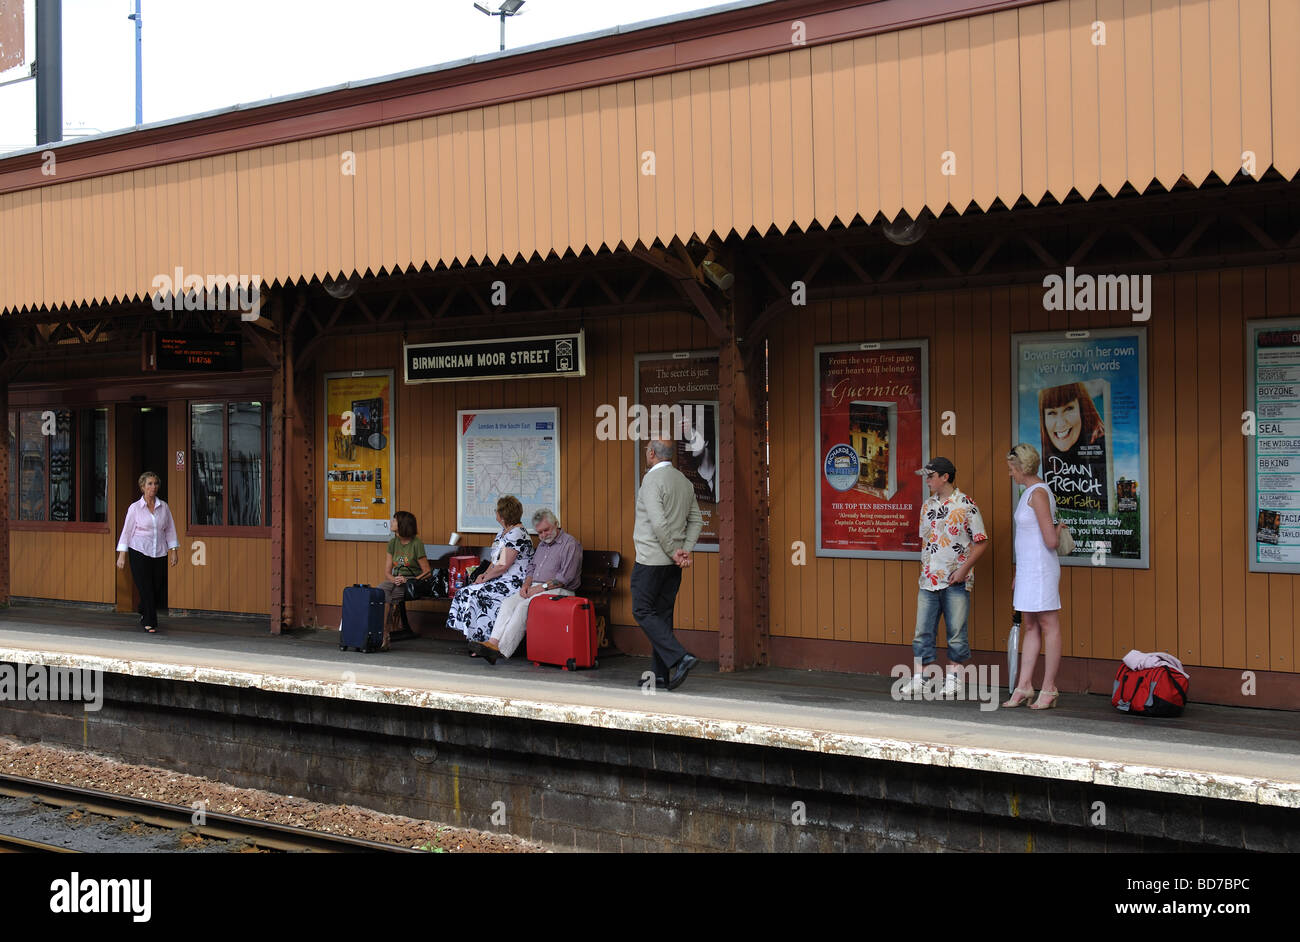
(668, 523)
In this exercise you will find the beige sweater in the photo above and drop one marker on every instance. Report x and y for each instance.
(667, 517)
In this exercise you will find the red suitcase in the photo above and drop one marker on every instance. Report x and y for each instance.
(562, 630)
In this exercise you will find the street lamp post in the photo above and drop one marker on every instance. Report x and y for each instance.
(139, 64)
(507, 8)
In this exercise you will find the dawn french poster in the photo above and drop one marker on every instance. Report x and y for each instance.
(1080, 402)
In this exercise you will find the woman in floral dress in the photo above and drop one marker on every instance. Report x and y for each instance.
(474, 608)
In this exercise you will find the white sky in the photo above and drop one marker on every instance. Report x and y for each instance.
(203, 55)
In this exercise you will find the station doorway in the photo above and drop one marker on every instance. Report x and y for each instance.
(140, 445)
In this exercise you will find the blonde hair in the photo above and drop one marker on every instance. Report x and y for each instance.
(1026, 458)
(147, 476)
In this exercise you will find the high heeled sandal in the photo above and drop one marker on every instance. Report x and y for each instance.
(1024, 695)
(1049, 704)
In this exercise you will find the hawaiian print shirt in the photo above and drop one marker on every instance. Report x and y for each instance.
(949, 528)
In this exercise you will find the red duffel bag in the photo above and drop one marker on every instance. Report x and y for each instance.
(1154, 691)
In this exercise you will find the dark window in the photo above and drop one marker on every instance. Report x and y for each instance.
(54, 455)
(229, 468)
(94, 465)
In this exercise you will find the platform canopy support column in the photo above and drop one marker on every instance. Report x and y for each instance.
(743, 565)
(299, 477)
(4, 493)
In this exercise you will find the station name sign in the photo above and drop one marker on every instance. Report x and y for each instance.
(193, 351)
(561, 355)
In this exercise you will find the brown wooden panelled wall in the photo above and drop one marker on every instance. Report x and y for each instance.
(236, 571)
(1025, 101)
(48, 564)
(1197, 600)
(73, 566)
(598, 492)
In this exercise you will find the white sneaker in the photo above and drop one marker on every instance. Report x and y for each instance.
(951, 685)
(913, 689)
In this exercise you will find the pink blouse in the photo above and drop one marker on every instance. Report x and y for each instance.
(145, 532)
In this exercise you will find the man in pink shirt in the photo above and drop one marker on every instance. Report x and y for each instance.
(148, 537)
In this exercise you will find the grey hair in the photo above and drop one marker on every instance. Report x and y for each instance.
(661, 450)
(545, 514)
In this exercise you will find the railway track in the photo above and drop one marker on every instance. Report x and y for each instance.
(239, 833)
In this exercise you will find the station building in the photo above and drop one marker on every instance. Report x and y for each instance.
(823, 211)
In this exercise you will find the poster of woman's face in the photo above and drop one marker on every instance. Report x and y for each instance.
(1081, 397)
(1068, 417)
(697, 449)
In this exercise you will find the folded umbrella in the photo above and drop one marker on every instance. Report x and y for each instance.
(1013, 652)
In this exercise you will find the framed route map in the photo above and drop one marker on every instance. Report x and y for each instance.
(506, 451)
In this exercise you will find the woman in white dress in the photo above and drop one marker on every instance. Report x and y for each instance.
(1037, 581)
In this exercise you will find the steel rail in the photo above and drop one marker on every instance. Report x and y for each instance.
(217, 826)
(20, 845)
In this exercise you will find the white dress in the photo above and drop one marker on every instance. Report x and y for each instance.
(1038, 569)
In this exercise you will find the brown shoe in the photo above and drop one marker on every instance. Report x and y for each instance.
(486, 650)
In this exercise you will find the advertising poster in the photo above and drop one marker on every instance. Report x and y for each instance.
(872, 429)
(359, 483)
(1273, 349)
(506, 451)
(1080, 399)
(677, 397)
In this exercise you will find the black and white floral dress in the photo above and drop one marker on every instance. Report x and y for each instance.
(474, 609)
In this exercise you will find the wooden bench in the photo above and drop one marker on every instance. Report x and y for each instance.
(599, 577)
(440, 555)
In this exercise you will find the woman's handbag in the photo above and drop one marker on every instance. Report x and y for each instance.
(428, 585)
(1066, 546)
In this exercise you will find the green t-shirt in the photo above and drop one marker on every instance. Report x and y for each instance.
(406, 556)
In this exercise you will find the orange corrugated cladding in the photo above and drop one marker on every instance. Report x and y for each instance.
(1023, 99)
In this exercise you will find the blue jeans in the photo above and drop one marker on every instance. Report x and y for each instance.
(955, 604)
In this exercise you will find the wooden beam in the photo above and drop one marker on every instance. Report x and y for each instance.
(743, 530)
(4, 496)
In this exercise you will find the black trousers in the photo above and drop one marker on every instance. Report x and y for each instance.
(150, 576)
(654, 593)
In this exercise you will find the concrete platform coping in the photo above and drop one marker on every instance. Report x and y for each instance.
(1212, 751)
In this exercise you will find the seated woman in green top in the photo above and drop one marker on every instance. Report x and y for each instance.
(406, 559)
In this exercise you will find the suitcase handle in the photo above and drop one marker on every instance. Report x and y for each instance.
(555, 598)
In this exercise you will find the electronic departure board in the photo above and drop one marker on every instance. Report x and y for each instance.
(193, 351)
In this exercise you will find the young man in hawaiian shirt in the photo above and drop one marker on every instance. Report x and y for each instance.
(952, 539)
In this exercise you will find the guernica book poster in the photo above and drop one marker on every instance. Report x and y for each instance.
(677, 398)
(872, 427)
(1081, 399)
(1273, 450)
(359, 451)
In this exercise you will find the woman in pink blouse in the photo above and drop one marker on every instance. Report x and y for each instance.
(148, 536)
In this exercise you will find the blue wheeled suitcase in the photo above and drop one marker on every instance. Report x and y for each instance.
(363, 619)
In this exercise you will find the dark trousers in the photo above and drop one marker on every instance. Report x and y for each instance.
(654, 593)
(150, 576)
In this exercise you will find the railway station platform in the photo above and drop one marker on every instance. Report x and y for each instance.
(860, 769)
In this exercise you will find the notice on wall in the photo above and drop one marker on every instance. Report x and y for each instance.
(677, 398)
(1081, 401)
(1273, 472)
(359, 484)
(872, 434)
(504, 452)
